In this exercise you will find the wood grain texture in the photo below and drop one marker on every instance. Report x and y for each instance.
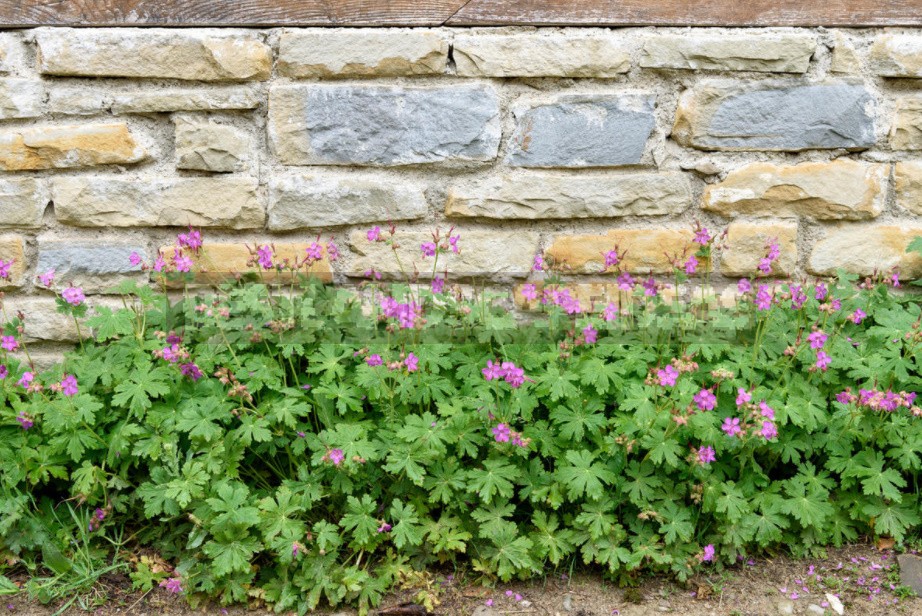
(26, 13)
(690, 12)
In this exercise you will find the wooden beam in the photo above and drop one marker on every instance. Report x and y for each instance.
(256, 13)
(251, 13)
(690, 13)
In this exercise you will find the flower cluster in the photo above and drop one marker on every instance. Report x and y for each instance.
(877, 400)
(406, 313)
(507, 371)
(502, 433)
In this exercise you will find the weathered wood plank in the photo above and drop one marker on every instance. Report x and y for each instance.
(24, 13)
(690, 12)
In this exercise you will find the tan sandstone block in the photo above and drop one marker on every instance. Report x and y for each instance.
(89, 201)
(906, 133)
(844, 58)
(219, 261)
(864, 249)
(544, 195)
(59, 147)
(204, 145)
(897, 55)
(747, 245)
(367, 52)
(12, 249)
(199, 55)
(21, 98)
(22, 202)
(908, 180)
(840, 189)
(646, 250)
(581, 53)
(769, 52)
(484, 254)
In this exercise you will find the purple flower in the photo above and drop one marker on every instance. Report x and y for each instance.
(374, 360)
(181, 262)
(4, 371)
(501, 433)
(24, 420)
(708, 555)
(691, 266)
(538, 265)
(610, 313)
(9, 343)
(374, 234)
(5, 269)
(428, 249)
(612, 258)
(159, 263)
(47, 279)
(514, 375)
(743, 286)
(706, 455)
(73, 296)
(384, 528)
(798, 297)
(820, 292)
(335, 456)
(411, 362)
(822, 360)
(529, 292)
(438, 284)
(649, 287)
(191, 240)
(332, 250)
(264, 257)
(766, 411)
(69, 385)
(493, 371)
(705, 400)
(769, 431)
(314, 251)
(742, 397)
(625, 282)
(590, 334)
(171, 353)
(667, 376)
(858, 316)
(731, 426)
(846, 397)
(702, 236)
(453, 243)
(817, 339)
(191, 370)
(135, 259)
(172, 585)
(763, 298)
(26, 379)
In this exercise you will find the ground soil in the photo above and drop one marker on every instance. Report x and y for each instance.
(861, 574)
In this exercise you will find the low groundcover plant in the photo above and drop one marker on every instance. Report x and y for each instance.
(282, 440)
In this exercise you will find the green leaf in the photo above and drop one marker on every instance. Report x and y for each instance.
(137, 392)
(231, 556)
(109, 324)
(496, 477)
(584, 475)
(360, 519)
(406, 529)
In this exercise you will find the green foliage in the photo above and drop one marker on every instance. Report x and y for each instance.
(301, 469)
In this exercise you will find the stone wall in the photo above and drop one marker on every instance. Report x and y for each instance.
(562, 140)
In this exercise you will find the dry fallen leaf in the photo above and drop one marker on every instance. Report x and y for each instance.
(885, 543)
(703, 593)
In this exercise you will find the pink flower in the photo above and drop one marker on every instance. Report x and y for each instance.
(428, 249)
(823, 360)
(590, 334)
(411, 362)
(817, 339)
(766, 411)
(731, 426)
(493, 371)
(649, 287)
(191, 370)
(742, 397)
(858, 316)
(612, 258)
(667, 376)
(763, 298)
(191, 240)
(26, 379)
(4, 372)
(314, 251)
(798, 297)
(529, 292)
(135, 259)
(846, 397)
(335, 456)
(374, 234)
(625, 282)
(488, 602)
(332, 250)
(5, 269)
(743, 286)
(10, 343)
(706, 455)
(159, 263)
(264, 257)
(501, 433)
(181, 262)
(702, 236)
(538, 265)
(25, 421)
(47, 279)
(514, 375)
(610, 313)
(69, 386)
(438, 284)
(820, 292)
(705, 400)
(384, 528)
(374, 360)
(453, 243)
(691, 266)
(172, 585)
(769, 431)
(73, 296)
(708, 555)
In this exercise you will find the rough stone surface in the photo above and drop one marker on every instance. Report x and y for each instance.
(908, 184)
(58, 147)
(43, 322)
(646, 249)
(341, 52)
(583, 131)
(531, 196)
(897, 55)
(841, 189)
(494, 255)
(576, 53)
(22, 203)
(21, 98)
(784, 116)
(383, 125)
(219, 261)
(12, 248)
(91, 265)
(199, 55)
(89, 201)
(910, 571)
(906, 133)
(746, 245)
(844, 58)
(186, 99)
(204, 145)
(306, 201)
(787, 52)
(864, 249)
